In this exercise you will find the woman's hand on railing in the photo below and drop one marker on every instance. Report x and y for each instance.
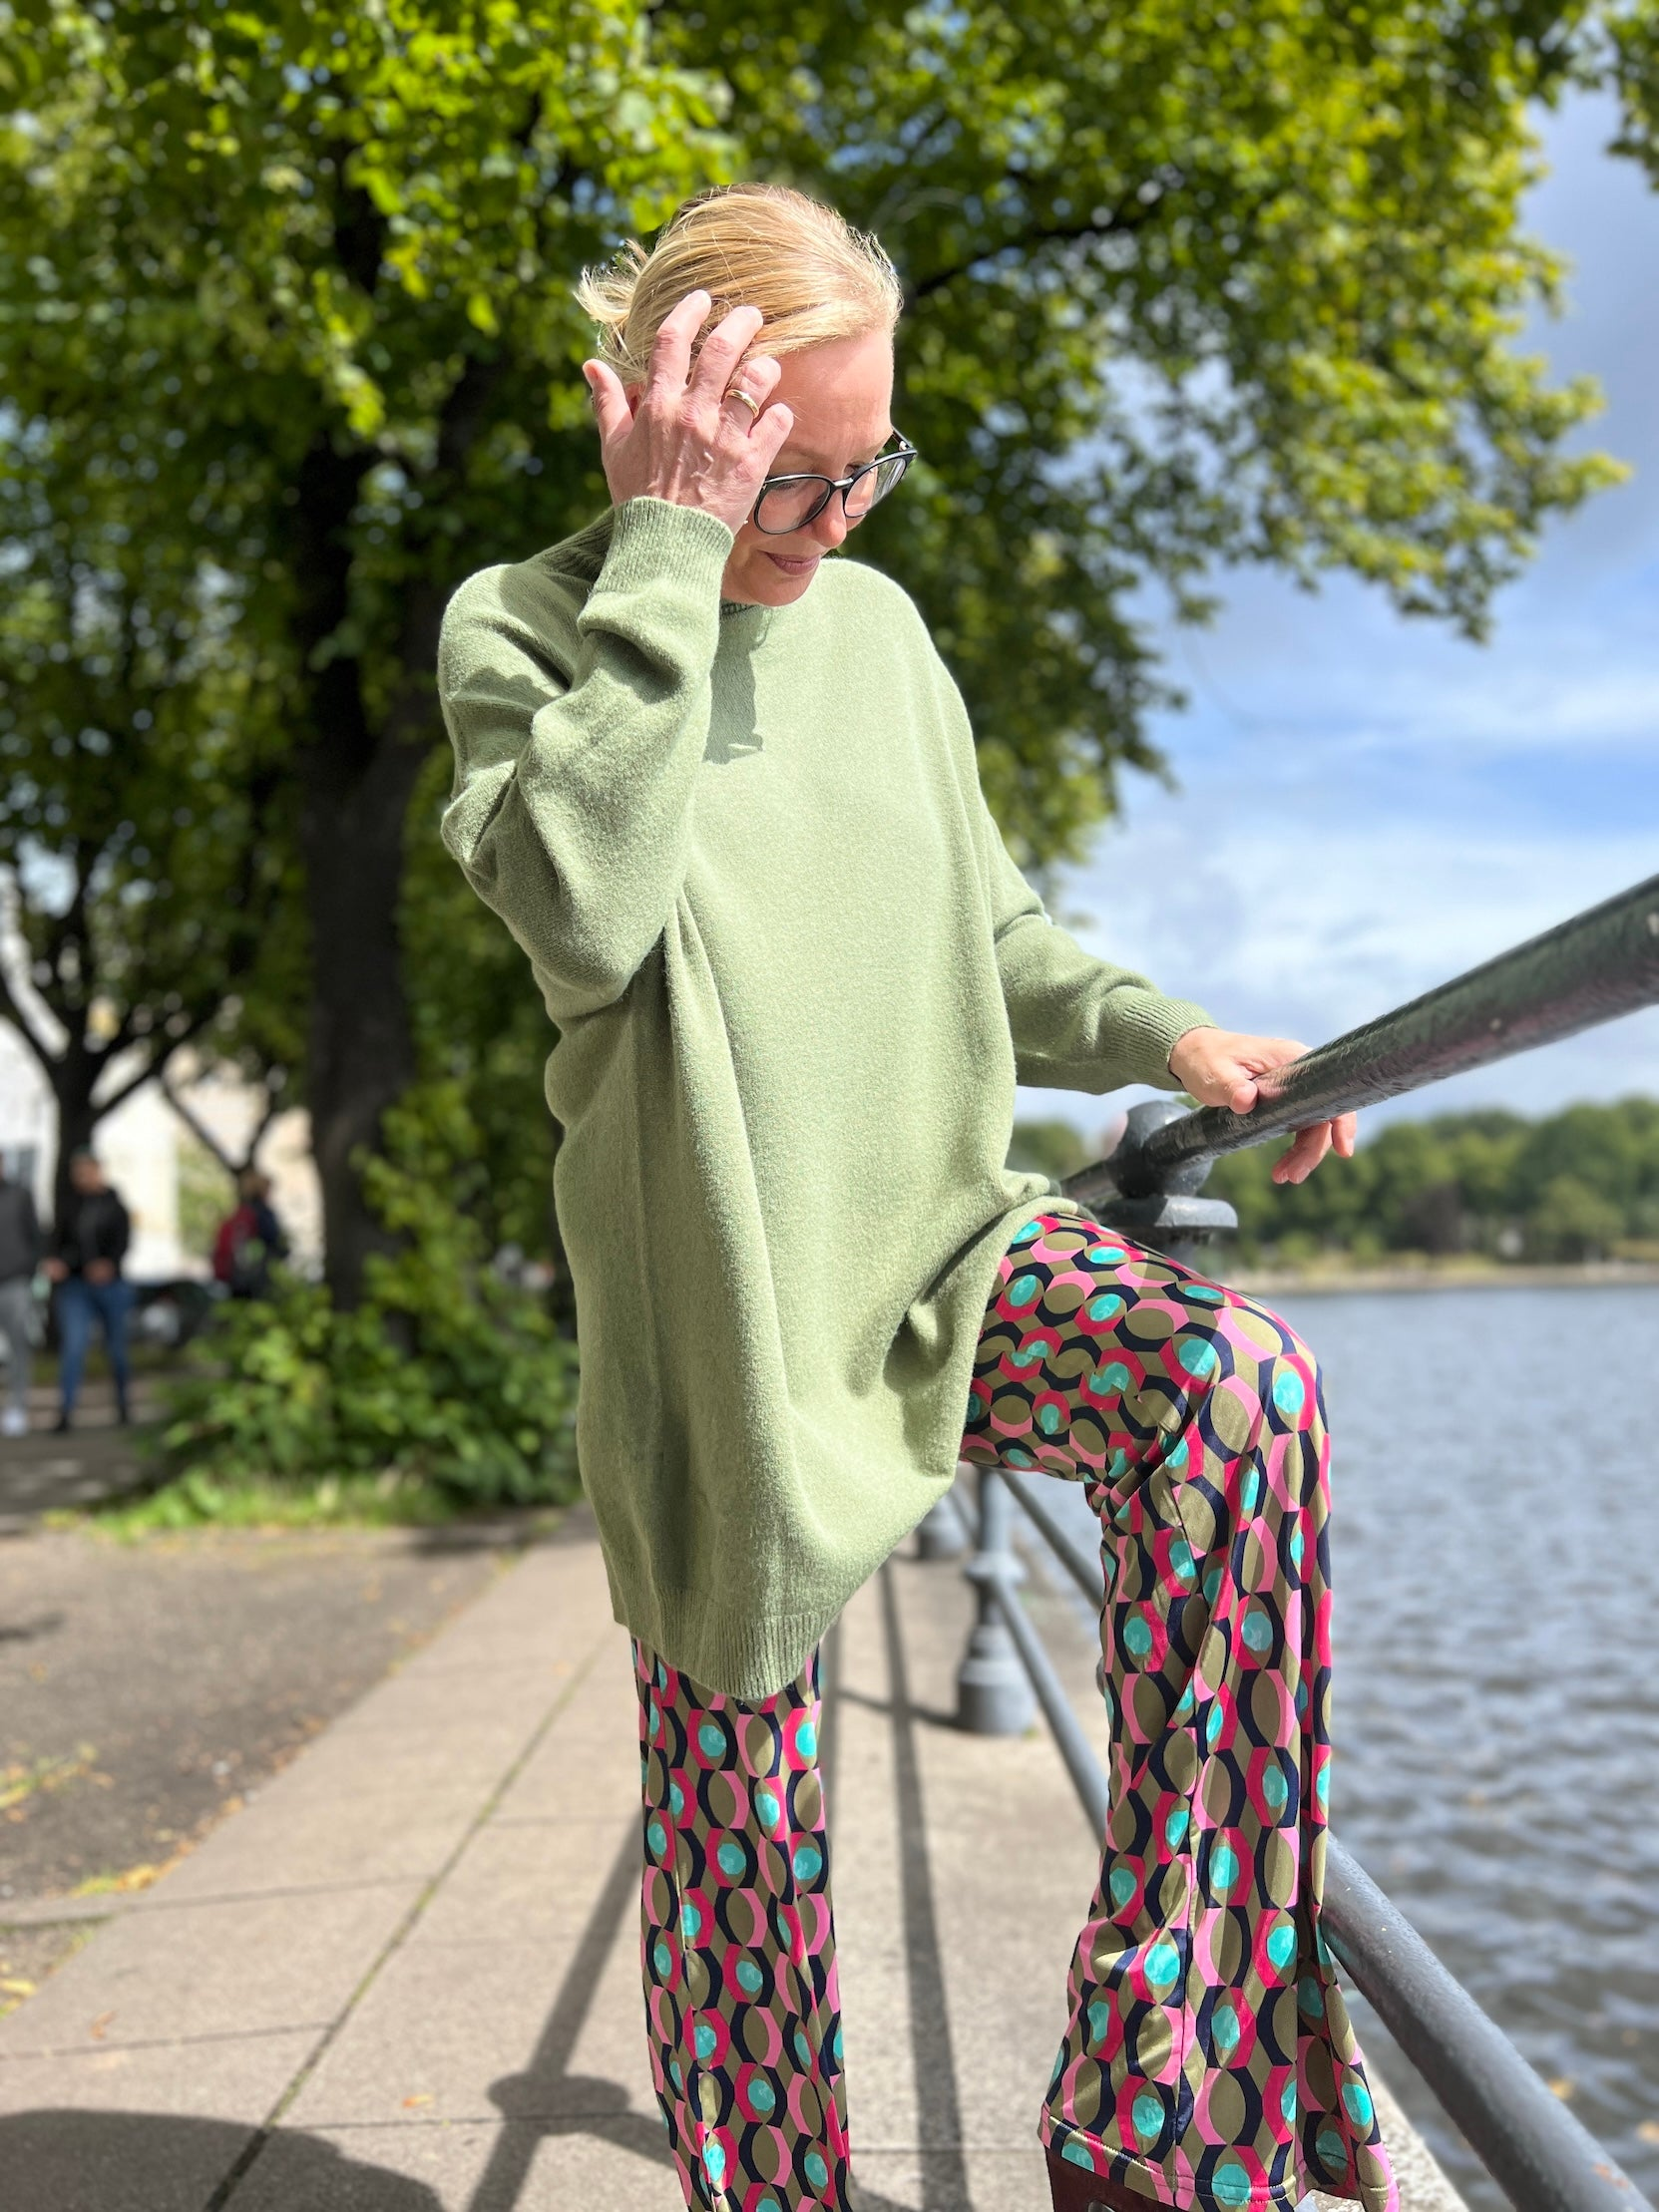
(1223, 1067)
(697, 433)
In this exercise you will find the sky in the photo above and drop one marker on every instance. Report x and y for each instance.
(1367, 806)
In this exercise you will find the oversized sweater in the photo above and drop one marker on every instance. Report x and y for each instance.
(795, 975)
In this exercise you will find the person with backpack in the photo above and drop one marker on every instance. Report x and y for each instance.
(19, 1256)
(89, 1242)
(250, 1239)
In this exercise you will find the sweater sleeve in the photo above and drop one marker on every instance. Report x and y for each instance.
(576, 745)
(1078, 1024)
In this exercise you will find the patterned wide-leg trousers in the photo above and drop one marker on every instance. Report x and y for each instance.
(1207, 2056)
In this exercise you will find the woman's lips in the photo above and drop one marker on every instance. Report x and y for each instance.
(793, 568)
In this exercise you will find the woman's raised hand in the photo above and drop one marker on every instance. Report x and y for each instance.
(1222, 1068)
(682, 435)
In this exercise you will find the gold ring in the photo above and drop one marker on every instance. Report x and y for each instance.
(737, 391)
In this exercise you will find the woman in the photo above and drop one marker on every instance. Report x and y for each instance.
(723, 793)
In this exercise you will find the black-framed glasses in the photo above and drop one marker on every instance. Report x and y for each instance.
(789, 503)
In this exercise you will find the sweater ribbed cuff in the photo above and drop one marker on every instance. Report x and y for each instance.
(653, 541)
(1152, 1026)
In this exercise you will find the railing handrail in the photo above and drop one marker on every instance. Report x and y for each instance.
(1600, 964)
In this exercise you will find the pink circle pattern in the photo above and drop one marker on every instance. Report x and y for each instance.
(738, 1944)
(1208, 2052)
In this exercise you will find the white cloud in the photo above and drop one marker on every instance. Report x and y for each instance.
(1309, 936)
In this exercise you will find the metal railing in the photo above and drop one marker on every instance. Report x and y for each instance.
(1600, 964)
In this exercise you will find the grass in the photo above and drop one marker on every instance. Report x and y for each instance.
(196, 1500)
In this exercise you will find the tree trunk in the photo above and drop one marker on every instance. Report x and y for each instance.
(362, 1053)
(356, 775)
(73, 1080)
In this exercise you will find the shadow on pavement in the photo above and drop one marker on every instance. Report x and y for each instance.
(80, 2161)
(91, 2161)
(547, 2100)
(944, 2176)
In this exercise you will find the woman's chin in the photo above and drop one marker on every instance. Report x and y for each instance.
(767, 580)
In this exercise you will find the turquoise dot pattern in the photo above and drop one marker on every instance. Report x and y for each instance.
(1193, 1419)
(738, 1945)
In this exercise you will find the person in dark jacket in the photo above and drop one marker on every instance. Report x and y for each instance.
(19, 1258)
(88, 1246)
(250, 1239)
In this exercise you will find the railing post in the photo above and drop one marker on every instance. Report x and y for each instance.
(993, 1693)
(1174, 1219)
(939, 1532)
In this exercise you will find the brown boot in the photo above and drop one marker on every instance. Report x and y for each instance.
(1072, 2190)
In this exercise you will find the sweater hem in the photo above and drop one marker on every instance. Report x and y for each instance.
(727, 1654)
(739, 1655)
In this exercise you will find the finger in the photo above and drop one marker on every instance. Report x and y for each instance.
(670, 353)
(721, 351)
(1345, 1132)
(1277, 1053)
(611, 409)
(1294, 1163)
(771, 433)
(1243, 1095)
(1311, 1146)
(758, 377)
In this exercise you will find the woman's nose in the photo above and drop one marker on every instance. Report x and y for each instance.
(832, 526)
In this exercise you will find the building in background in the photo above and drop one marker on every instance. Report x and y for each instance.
(173, 1188)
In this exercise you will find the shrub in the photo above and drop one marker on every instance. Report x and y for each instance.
(444, 1374)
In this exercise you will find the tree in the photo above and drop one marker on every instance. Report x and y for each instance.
(1570, 1221)
(1048, 1148)
(137, 846)
(318, 257)
(1633, 35)
(1578, 1180)
(1185, 283)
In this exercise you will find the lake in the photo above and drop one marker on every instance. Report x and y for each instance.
(1496, 1557)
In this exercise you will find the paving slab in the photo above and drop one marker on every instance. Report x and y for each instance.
(511, 2166)
(310, 1838)
(136, 2130)
(549, 2031)
(240, 1968)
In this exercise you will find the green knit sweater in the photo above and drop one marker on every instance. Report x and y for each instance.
(795, 974)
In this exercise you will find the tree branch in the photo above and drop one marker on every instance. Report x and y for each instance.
(1121, 221)
(155, 1062)
(196, 1127)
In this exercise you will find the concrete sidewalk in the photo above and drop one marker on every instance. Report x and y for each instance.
(405, 1978)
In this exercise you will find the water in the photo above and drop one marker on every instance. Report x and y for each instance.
(1496, 1559)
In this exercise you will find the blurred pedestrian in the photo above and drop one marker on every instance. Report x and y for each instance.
(19, 1258)
(250, 1239)
(89, 1244)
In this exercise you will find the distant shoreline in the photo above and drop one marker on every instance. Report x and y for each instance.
(1446, 1276)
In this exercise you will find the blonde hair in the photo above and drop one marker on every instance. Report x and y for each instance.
(812, 275)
